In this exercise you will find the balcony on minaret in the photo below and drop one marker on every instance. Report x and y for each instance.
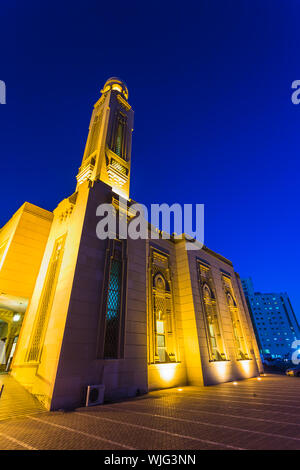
(117, 171)
(85, 171)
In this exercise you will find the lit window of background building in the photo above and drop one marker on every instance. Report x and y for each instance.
(274, 321)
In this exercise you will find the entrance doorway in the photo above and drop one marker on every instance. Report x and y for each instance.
(10, 326)
(12, 311)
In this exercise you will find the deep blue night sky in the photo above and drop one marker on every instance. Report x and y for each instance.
(210, 83)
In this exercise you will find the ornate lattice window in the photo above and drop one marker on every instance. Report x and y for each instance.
(94, 135)
(46, 301)
(239, 338)
(119, 136)
(211, 318)
(112, 323)
(162, 344)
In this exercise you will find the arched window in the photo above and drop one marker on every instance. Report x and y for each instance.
(215, 342)
(230, 300)
(162, 347)
(112, 323)
(46, 300)
(94, 135)
(161, 320)
(113, 303)
(119, 136)
(239, 340)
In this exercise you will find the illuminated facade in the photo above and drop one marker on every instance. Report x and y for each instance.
(22, 243)
(133, 315)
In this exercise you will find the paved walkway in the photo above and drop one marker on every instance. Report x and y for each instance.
(253, 414)
(15, 400)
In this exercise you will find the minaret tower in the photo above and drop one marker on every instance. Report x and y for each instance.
(107, 152)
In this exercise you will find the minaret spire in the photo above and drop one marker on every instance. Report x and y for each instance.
(107, 152)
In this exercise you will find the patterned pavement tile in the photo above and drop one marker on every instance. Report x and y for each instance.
(253, 414)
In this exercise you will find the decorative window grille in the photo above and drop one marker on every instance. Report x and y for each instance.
(211, 318)
(162, 344)
(112, 320)
(111, 341)
(117, 166)
(46, 301)
(119, 136)
(94, 135)
(239, 338)
(161, 341)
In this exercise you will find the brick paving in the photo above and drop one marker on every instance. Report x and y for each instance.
(15, 400)
(253, 414)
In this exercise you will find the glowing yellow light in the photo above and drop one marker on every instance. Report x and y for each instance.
(234, 383)
(258, 378)
(117, 87)
(221, 369)
(179, 389)
(16, 317)
(119, 192)
(167, 371)
(245, 366)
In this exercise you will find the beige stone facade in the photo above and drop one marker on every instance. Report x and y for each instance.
(22, 243)
(133, 315)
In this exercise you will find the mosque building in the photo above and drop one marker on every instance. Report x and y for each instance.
(130, 315)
